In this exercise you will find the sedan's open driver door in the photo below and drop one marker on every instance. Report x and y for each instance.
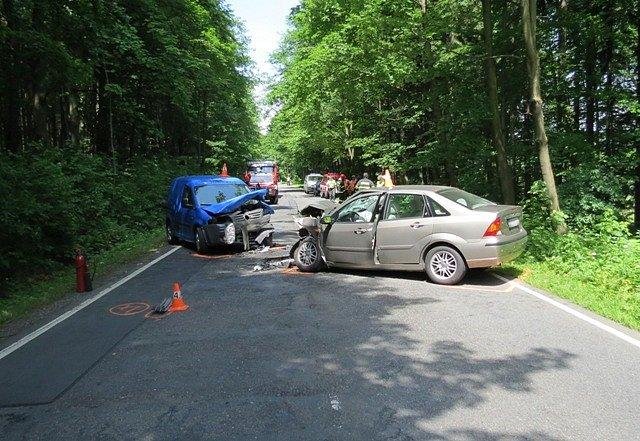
(349, 239)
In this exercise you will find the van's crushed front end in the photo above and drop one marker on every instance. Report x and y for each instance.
(245, 219)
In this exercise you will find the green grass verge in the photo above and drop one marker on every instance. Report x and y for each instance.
(28, 295)
(620, 304)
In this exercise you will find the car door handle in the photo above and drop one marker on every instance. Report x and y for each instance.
(416, 225)
(361, 230)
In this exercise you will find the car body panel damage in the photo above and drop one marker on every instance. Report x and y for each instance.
(212, 211)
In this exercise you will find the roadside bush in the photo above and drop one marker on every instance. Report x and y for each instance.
(601, 253)
(55, 200)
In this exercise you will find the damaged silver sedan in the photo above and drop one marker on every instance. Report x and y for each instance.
(443, 231)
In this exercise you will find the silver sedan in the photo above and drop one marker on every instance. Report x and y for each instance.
(441, 230)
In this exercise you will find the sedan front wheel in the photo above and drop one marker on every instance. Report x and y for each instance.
(445, 266)
(307, 256)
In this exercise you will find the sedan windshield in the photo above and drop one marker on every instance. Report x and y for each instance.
(216, 193)
(465, 199)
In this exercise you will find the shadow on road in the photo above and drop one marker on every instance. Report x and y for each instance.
(481, 278)
(271, 356)
(349, 340)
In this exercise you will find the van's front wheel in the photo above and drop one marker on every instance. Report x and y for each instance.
(201, 242)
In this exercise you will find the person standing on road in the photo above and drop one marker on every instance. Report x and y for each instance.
(365, 183)
(331, 187)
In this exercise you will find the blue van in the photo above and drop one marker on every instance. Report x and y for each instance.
(211, 211)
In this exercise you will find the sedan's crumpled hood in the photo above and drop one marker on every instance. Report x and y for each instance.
(317, 206)
(231, 205)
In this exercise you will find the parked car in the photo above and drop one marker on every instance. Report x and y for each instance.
(441, 230)
(266, 181)
(211, 211)
(310, 182)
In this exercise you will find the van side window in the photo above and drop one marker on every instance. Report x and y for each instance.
(187, 197)
(437, 209)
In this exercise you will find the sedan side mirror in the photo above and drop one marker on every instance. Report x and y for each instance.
(326, 220)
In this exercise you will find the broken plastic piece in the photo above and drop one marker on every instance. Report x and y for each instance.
(262, 236)
(164, 306)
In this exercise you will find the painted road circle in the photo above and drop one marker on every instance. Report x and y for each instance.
(129, 308)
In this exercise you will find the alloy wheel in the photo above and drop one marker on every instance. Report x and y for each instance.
(308, 253)
(444, 264)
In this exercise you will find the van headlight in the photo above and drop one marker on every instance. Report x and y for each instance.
(230, 234)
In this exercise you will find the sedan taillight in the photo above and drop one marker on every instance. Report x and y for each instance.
(494, 228)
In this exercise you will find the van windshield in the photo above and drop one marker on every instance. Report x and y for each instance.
(216, 193)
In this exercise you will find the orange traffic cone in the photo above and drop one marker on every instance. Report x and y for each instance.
(224, 173)
(177, 303)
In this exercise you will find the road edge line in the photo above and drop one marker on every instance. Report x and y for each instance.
(38, 332)
(598, 324)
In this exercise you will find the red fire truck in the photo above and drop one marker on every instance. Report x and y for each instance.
(262, 167)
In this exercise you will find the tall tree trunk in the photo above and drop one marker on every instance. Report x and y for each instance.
(73, 117)
(637, 184)
(562, 100)
(533, 69)
(504, 170)
(609, 48)
(590, 89)
(576, 103)
(101, 132)
(12, 110)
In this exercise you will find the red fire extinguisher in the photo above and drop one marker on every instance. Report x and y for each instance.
(83, 279)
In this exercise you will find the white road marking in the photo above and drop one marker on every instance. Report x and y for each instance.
(38, 332)
(621, 335)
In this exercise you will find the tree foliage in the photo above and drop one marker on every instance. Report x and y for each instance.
(125, 78)
(101, 104)
(371, 84)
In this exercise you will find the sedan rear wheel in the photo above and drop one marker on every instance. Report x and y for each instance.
(445, 266)
(307, 256)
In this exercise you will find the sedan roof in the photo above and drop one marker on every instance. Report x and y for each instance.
(400, 188)
(433, 188)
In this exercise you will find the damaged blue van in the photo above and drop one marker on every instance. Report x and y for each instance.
(212, 211)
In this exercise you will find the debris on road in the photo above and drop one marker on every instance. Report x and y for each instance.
(270, 264)
(262, 236)
(163, 307)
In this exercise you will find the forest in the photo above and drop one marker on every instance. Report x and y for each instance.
(535, 103)
(530, 102)
(101, 104)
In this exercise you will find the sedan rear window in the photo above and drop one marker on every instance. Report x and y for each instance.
(216, 193)
(464, 198)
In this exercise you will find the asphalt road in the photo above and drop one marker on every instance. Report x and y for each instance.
(274, 355)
